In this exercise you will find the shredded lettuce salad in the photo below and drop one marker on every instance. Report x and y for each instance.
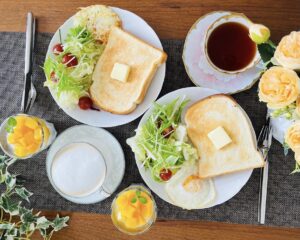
(162, 142)
(73, 82)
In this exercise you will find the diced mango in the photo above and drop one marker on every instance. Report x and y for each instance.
(147, 210)
(21, 130)
(122, 200)
(20, 151)
(132, 223)
(26, 137)
(31, 123)
(32, 148)
(128, 212)
(11, 138)
(38, 134)
(22, 141)
(142, 221)
(20, 120)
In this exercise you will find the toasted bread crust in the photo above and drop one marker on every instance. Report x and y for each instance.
(137, 84)
(207, 170)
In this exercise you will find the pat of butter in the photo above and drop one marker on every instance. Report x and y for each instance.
(219, 137)
(120, 72)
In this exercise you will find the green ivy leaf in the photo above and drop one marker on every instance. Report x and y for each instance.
(6, 226)
(2, 162)
(43, 232)
(42, 223)
(59, 223)
(23, 193)
(12, 233)
(28, 222)
(26, 227)
(2, 176)
(9, 206)
(10, 181)
(28, 217)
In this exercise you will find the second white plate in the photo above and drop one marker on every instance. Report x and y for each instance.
(227, 185)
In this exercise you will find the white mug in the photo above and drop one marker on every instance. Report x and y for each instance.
(68, 188)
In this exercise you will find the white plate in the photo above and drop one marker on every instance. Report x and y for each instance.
(107, 145)
(226, 186)
(201, 73)
(138, 27)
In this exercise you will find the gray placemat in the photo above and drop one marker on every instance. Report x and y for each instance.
(283, 206)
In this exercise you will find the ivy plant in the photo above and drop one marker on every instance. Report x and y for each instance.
(17, 222)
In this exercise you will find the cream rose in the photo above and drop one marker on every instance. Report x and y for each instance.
(278, 87)
(292, 138)
(287, 52)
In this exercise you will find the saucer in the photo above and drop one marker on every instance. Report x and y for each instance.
(106, 144)
(201, 72)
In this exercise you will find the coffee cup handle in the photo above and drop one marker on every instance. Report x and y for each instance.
(103, 192)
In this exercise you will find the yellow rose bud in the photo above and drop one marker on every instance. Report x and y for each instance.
(287, 52)
(292, 137)
(279, 87)
(259, 33)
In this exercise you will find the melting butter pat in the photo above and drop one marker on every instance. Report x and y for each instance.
(120, 72)
(219, 137)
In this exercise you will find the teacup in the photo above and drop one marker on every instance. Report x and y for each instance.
(238, 19)
(78, 170)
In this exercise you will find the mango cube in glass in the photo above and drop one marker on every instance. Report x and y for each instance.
(134, 210)
(22, 136)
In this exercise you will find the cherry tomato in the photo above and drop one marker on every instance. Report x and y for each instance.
(70, 60)
(165, 174)
(85, 103)
(57, 49)
(53, 77)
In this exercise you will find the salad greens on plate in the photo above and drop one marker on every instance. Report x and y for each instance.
(161, 143)
(69, 70)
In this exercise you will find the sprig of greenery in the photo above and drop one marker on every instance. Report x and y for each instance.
(286, 112)
(286, 148)
(297, 169)
(16, 221)
(266, 51)
(11, 123)
(138, 196)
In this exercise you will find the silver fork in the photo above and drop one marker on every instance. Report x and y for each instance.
(29, 91)
(264, 143)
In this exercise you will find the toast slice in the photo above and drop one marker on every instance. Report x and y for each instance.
(241, 154)
(122, 97)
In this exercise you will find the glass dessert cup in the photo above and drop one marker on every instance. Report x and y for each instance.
(23, 136)
(133, 210)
